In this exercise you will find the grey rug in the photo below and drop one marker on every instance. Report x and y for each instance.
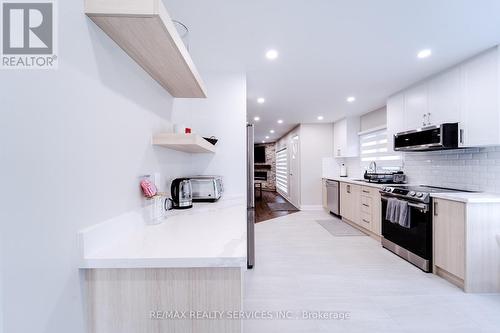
(338, 228)
(278, 206)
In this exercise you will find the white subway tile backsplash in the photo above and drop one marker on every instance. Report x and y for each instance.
(476, 169)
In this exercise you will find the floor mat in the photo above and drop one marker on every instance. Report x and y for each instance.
(338, 228)
(277, 206)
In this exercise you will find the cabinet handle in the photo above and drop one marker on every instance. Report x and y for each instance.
(366, 205)
(365, 191)
(435, 208)
(424, 120)
(366, 221)
(428, 118)
(338, 152)
(348, 188)
(461, 136)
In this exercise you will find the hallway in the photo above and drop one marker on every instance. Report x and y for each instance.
(262, 210)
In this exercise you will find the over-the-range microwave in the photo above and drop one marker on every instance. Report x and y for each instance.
(438, 137)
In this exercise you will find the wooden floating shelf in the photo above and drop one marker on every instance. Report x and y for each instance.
(145, 31)
(189, 143)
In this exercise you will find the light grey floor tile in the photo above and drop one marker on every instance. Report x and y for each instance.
(302, 267)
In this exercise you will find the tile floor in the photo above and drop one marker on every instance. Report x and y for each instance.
(302, 267)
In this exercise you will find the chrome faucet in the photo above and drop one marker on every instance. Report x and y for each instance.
(373, 166)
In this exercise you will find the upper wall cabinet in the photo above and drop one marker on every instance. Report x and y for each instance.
(395, 117)
(345, 137)
(481, 91)
(444, 93)
(416, 107)
(467, 94)
(146, 32)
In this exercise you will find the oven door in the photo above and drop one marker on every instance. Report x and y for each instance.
(417, 240)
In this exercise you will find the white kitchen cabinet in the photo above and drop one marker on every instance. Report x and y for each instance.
(345, 137)
(481, 90)
(395, 118)
(467, 94)
(416, 107)
(444, 93)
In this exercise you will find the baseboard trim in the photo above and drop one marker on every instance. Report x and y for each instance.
(452, 278)
(311, 207)
(363, 230)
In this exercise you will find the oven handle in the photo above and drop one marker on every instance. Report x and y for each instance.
(423, 207)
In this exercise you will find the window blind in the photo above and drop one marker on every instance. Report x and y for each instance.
(374, 147)
(282, 170)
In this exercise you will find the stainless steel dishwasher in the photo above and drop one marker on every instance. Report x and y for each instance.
(333, 196)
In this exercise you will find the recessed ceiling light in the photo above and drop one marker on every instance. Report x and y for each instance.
(424, 54)
(271, 131)
(263, 141)
(261, 100)
(351, 99)
(256, 118)
(267, 137)
(280, 121)
(320, 118)
(272, 54)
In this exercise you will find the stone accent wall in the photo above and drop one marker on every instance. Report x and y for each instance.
(270, 184)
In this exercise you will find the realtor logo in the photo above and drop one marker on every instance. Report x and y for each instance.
(28, 32)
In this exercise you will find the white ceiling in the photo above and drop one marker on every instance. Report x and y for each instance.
(331, 49)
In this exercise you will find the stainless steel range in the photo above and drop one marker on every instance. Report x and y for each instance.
(413, 239)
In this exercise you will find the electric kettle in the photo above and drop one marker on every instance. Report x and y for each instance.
(182, 193)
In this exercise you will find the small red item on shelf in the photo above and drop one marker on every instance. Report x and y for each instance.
(148, 188)
(188, 130)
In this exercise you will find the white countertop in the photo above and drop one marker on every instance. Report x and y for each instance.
(360, 182)
(208, 235)
(468, 197)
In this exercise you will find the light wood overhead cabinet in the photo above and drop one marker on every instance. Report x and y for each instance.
(145, 31)
(465, 248)
(467, 94)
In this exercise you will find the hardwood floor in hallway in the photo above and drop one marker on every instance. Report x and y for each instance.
(262, 210)
(302, 268)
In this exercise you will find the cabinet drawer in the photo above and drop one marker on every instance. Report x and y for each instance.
(370, 191)
(366, 219)
(366, 204)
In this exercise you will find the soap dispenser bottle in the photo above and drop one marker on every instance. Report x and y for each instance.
(343, 170)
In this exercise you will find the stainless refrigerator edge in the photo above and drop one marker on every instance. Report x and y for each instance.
(250, 198)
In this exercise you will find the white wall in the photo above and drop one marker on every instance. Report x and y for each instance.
(74, 142)
(316, 143)
(222, 115)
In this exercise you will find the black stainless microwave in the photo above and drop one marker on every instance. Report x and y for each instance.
(439, 137)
